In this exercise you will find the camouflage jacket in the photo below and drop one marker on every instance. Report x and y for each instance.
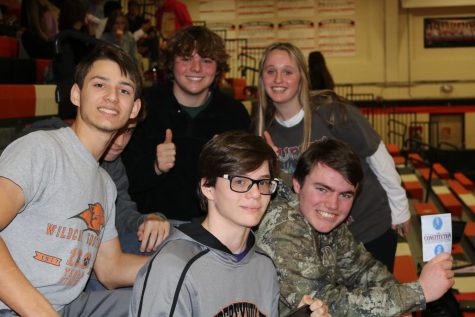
(333, 267)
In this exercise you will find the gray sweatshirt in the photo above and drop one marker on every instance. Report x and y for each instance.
(194, 274)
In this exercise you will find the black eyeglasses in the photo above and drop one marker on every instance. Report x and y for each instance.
(242, 184)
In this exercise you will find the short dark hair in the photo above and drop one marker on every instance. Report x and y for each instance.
(109, 52)
(333, 153)
(206, 43)
(111, 6)
(233, 152)
(71, 11)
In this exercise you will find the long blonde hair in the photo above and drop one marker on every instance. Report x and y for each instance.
(266, 109)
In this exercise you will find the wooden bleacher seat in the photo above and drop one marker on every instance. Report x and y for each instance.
(416, 159)
(466, 196)
(457, 248)
(425, 173)
(456, 187)
(448, 200)
(8, 46)
(25, 101)
(405, 170)
(424, 209)
(393, 149)
(399, 160)
(404, 267)
(238, 85)
(413, 187)
(464, 180)
(395, 152)
(469, 233)
(441, 171)
(469, 230)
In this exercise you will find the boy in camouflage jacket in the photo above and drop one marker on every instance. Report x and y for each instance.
(315, 253)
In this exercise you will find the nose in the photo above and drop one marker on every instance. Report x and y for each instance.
(196, 64)
(332, 201)
(278, 77)
(120, 139)
(253, 192)
(112, 95)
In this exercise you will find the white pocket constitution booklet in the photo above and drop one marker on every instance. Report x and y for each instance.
(436, 235)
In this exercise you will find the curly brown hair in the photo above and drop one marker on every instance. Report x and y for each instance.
(197, 39)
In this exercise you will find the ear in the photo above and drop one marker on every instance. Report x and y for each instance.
(296, 185)
(207, 191)
(75, 95)
(136, 108)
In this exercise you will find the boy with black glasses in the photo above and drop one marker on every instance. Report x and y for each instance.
(213, 268)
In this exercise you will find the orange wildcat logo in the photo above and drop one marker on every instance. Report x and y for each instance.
(93, 217)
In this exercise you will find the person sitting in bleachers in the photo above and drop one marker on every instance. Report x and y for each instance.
(133, 15)
(72, 49)
(39, 18)
(109, 7)
(184, 113)
(117, 32)
(147, 41)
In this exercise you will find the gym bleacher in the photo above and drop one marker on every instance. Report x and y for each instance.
(434, 187)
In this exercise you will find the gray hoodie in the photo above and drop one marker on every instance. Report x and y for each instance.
(194, 274)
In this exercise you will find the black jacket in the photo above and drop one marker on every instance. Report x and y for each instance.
(175, 193)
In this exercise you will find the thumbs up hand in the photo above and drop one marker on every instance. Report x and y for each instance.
(269, 141)
(165, 154)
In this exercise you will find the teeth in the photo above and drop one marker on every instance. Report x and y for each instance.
(109, 111)
(194, 78)
(278, 89)
(325, 214)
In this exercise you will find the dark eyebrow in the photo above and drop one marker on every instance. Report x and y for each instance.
(122, 82)
(352, 192)
(324, 185)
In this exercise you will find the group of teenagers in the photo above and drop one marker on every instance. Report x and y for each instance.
(239, 216)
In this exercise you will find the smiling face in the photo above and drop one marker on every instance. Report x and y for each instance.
(106, 100)
(281, 78)
(325, 198)
(230, 209)
(193, 77)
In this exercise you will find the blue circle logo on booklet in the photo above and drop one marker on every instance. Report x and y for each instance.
(438, 249)
(437, 223)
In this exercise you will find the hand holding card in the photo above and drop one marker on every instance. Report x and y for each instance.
(436, 235)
